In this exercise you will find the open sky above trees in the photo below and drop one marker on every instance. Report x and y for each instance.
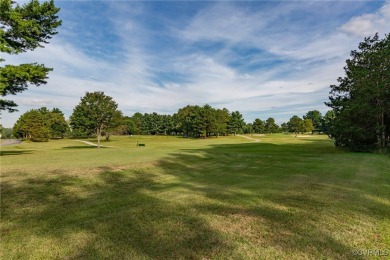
(262, 58)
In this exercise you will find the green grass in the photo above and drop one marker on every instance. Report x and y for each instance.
(218, 198)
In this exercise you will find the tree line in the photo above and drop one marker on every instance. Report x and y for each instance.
(97, 115)
(189, 121)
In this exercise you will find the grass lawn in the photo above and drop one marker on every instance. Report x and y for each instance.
(218, 198)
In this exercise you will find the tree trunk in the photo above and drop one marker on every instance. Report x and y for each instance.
(381, 135)
(99, 135)
(383, 130)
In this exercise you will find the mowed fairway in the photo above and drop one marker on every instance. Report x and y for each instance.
(215, 198)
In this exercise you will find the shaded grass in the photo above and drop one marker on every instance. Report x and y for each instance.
(193, 199)
(5, 153)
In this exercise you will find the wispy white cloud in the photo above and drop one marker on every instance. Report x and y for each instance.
(36, 102)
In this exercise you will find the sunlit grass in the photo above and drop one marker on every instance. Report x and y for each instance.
(225, 197)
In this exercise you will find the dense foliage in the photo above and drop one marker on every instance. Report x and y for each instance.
(95, 114)
(195, 121)
(189, 121)
(317, 120)
(298, 125)
(6, 133)
(24, 28)
(361, 101)
(41, 124)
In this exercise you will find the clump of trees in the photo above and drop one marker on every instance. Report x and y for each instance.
(189, 121)
(24, 28)
(6, 133)
(298, 125)
(312, 122)
(317, 121)
(259, 126)
(39, 125)
(361, 101)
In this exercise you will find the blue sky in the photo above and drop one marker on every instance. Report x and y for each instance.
(263, 58)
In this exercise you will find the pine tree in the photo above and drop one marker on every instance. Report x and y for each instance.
(361, 101)
(24, 28)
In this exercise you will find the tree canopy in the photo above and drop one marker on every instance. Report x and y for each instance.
(190, 121)
(236, 122)
(270, 126)
(298, 125)
(316, 118)
(361, 100)
(41, 124)
(203, 121)
(258, 126)
(295, 125)
(24, 28)
(95, 113)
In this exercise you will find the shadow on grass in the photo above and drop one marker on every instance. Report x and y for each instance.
(6, 153)
(290, 191)
(227, 201)
(82, 147)
(126, 221)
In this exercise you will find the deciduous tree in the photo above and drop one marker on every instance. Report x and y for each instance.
(316, 117)
(32, 126)
(307, 125)
(41, 124)
(284, 127)
(295, 125)
(270, 126)
(95, 113)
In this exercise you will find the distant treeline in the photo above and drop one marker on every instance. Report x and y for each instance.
(190, 121)
(194, 121)
(197, 121)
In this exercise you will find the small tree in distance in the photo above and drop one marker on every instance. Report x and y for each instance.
(295, 125)
(95, 113)
(270, 126)
(308, 125)
(316, 118)
(258, 126)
